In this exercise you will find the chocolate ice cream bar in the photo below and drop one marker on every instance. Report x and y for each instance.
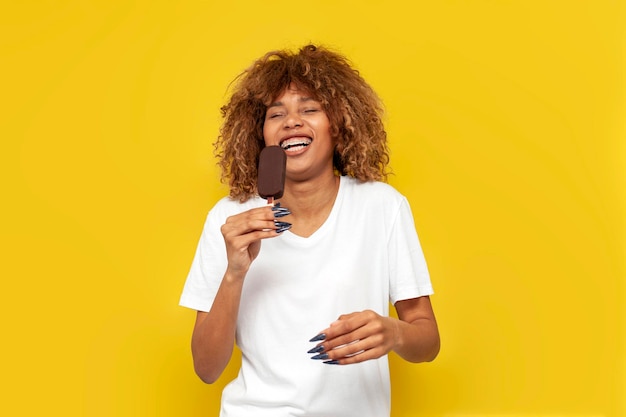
(272, 166)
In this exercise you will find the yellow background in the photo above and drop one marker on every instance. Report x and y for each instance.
(506, 124)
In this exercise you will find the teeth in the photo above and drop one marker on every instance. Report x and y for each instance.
(295, 143)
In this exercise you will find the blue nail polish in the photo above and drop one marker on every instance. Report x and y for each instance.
(282, 229)
(320, 356)
(280, 211)
(319, 337)
(281, 224)
(317, 349)
(333, 362)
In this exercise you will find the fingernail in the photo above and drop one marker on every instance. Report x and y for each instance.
(283, 228)
(333, 362)
(317, 349)
(320, 356)
(281, 224)
(319, 337)
(276, 205)
(280, 212)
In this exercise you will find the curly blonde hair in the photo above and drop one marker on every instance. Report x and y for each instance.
(353, 109)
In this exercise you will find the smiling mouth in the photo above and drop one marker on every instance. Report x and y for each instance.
(296, 143)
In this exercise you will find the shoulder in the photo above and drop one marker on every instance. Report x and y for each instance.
(376, 204)
(366, 191)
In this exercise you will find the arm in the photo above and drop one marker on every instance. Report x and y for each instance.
(418, 339)
(366, 335)
(214, 331)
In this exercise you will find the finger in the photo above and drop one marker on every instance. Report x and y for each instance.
(371, 347)
(262, 218)
(358, 334)
(341, 341)
(363, 338)
(260, 213)
(234, 229)
(360, 356)
(347, 324)
(249, 217)
(354, 353)
(242, 242)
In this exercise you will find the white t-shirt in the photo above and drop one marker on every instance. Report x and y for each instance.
(365, 255)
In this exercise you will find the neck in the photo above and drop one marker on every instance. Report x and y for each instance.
(310, 203)
(310, 197)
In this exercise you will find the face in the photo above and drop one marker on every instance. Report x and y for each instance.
(297, 123)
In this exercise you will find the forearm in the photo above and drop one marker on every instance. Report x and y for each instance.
(417, 337)
(214, 332)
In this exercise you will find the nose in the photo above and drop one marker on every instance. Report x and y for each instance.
(293, 120)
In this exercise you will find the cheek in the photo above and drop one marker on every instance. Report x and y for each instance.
(326, 126)
(326, 129)
(265, 133)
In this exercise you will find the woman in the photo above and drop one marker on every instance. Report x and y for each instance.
(303, 287)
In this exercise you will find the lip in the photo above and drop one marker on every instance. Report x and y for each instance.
(296, 150)
(297, 135)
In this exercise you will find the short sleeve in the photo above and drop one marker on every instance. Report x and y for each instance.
(409, 277)
(208, 266)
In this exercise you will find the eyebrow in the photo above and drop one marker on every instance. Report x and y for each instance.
(301, 100)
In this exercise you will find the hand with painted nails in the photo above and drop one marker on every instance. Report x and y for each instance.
(355, 338)
(243, 234)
